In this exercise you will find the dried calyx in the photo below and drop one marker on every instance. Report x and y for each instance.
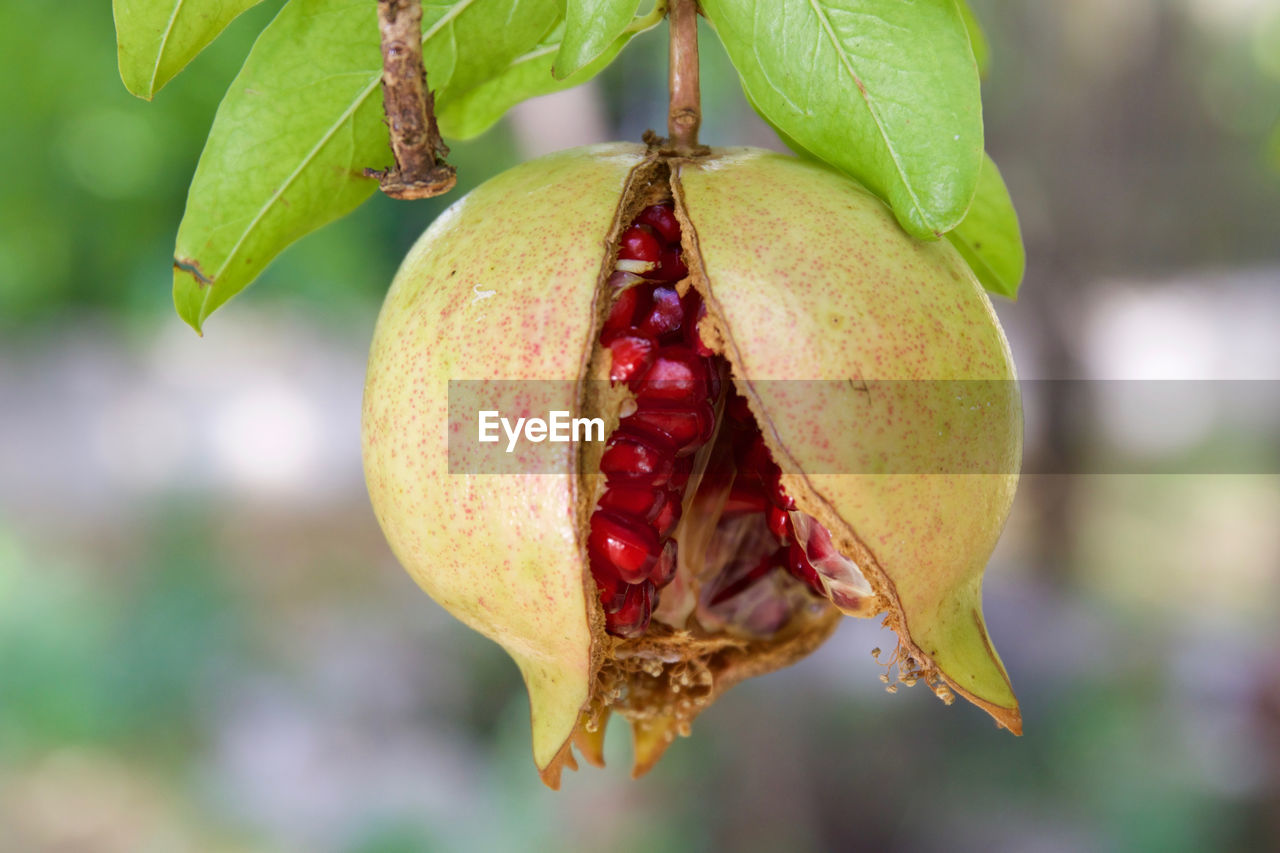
(727, 522)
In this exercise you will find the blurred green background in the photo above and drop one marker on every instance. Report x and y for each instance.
(205, 644)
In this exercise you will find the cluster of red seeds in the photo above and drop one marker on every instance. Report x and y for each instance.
(652, 336)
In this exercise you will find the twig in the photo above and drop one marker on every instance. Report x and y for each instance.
(420, 170)
(685, 114)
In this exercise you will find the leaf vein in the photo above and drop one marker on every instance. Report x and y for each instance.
(288, 182)
(842, 56)
(164, 45)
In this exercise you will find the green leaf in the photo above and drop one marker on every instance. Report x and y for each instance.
(286, 151)
(977, 39)
(467, 114)
(157, 38)
(468, 42)
(885, 90)
(591, 28)
(303, 119)
(796, 148)
(989, 237)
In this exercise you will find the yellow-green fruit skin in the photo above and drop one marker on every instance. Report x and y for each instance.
(499, 287)
(813, 279)
(816, 281)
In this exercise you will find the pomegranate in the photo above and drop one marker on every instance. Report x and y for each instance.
(728, 519)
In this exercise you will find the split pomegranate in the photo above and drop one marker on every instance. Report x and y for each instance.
(779, 368)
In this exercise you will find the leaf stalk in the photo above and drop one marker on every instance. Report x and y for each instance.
(684, 116)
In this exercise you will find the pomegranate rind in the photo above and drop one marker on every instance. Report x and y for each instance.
(493, 290)
(810, 278)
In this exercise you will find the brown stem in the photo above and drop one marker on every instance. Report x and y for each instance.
(685, 115)
(420, 170)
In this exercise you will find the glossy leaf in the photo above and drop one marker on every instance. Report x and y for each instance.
(157, 38)
(286, 150)
(467, 114)
(796, 148)
(989, 237)
(468, 42)
(884, 90)
(302, 121)
(977, 39)
(591, 28)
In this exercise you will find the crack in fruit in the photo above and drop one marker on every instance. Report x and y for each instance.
(655, 350)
